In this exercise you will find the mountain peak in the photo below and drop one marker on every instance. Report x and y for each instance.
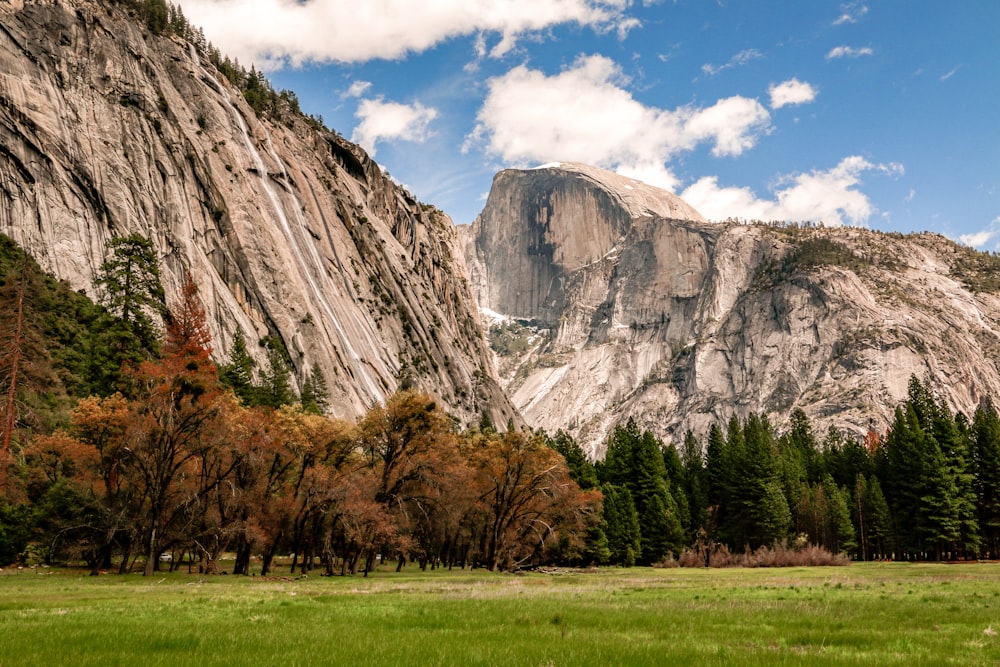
(640, 198)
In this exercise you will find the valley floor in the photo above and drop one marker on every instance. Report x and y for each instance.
(874, 613)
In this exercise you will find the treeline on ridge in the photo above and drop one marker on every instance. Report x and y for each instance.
(162, 17)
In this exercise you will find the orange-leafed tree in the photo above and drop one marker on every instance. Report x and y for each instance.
(67, 518)
(207, 523)
(361, 523)
(260, 486)
(525, 497)
(11, 359)
(410, 445)
(320, 447)
(100, 425)
(174, 417)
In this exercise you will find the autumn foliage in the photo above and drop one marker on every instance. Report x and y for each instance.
(182, 467)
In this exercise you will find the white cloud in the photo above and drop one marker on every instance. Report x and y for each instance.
(381, 121)
(740, 59)
(733, 123)
(981, 238)
(272, 33)
(849, 52)
(852, 13)
(950, 73)
(358, 88)
(829, 196)
(585, 114)
(791, 92)
(626, 25)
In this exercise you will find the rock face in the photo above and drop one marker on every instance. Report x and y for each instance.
(634, 306)
(288, 230)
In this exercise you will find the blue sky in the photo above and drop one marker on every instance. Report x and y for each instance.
(881, 113)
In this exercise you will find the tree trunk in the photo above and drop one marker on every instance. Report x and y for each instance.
(151, 555)
(266, 558)
(242, 565)
(10, 408)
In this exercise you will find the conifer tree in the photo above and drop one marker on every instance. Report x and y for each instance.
(839, 529)
(238, 373)
(927, 474)
(958, 470)
(275, 389)
(129, 282)
(315, 396)
(581, 470)
(986, 457)
(774, 517)
(694, 484)
(802, 444)
(635, 461)
(716, 475)
(903, 476)
(596, 550)
(880, 520)
(621, 525)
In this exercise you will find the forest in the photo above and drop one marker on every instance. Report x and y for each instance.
(125, 447)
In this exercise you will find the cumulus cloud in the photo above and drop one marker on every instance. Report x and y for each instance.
(791, 92)
(829, 196)
(981, 238)
(272, 33)
(585, 114)
(381, 121)
(741, 58)
(849, 52)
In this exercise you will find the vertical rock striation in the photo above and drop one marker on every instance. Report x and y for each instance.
(289, 231)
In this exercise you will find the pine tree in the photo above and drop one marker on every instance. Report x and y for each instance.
(774, 517)
(752, 468)
(932, 495)
(275, 389)
(840, 531)
(986, 457)
(238, 373)
(596, 550)
(129, 282)
(802, 445)
(674, 469)
(958, 470)
(903, 477)
(694, 484)
(621, 525)
(315, 396)
(635, 462)
(795, 454)
(581, 470)
(861, 516)
(657, 528)
(716, 480)
(880, 519)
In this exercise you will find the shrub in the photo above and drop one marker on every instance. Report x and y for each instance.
(778, 555)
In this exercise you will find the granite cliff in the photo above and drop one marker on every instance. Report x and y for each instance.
(107, 128)
(611, 299)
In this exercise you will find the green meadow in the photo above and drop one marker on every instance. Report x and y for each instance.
(862, 614)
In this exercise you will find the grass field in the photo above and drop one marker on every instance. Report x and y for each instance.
(870, 614)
